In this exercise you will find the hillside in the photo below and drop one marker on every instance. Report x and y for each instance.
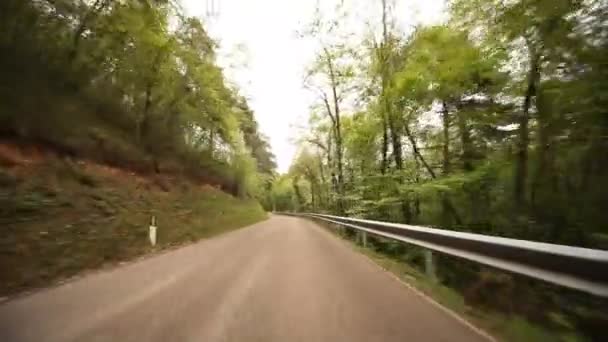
(62, 215)
(115, 83)
(111, 113)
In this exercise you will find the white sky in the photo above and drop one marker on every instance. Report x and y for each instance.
(262, 54)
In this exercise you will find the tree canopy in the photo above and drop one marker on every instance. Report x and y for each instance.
(491, 122)
(132, 82)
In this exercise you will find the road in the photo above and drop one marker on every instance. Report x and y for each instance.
(285, 279)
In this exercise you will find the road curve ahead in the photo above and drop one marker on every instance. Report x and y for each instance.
(285, 279)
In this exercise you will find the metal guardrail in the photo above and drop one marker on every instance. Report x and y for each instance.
(578, 268)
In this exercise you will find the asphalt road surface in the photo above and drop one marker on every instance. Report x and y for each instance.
(285, 279)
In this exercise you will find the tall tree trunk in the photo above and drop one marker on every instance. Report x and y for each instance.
(416, 214)
(543, 151)
(466, 158)
(445, 118)
(398, 157)
(386, 70)
(465, 140)
(417, 153)
(296, 190)
(396, 143)
(211, 141)
(142, 121)
(143, 124)
(330, 164)
(337, 131)
(448, 204)
(339, 151)
(384, 162)
(385, 112)
(312, 195)
(544, 185)
(322, 186)
(521, 168)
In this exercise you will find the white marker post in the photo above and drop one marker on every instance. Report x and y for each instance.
(153, 231)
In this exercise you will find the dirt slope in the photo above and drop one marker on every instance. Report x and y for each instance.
(60, 216)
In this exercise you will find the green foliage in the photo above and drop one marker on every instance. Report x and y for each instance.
(283, 196)
(443, 63)
(54, 227)
(245, 174)
(494, 123)
(450, 98)
(129, 83)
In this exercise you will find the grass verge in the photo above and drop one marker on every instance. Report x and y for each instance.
(501, 326)
(59, 218)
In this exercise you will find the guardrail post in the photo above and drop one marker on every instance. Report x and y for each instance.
(364, 239)
(429, 265)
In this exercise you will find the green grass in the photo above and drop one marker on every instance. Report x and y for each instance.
(62, 218)
(501, 326)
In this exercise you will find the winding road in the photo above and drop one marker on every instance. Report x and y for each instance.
(284, 279)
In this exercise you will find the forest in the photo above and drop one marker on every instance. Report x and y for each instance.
(133, 84)
(494, 122)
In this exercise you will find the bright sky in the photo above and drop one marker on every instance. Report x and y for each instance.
(262, 54)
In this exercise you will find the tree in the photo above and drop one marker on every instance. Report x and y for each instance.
(329, 77)
(131, 83)
(533, 28)
(454, 99)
